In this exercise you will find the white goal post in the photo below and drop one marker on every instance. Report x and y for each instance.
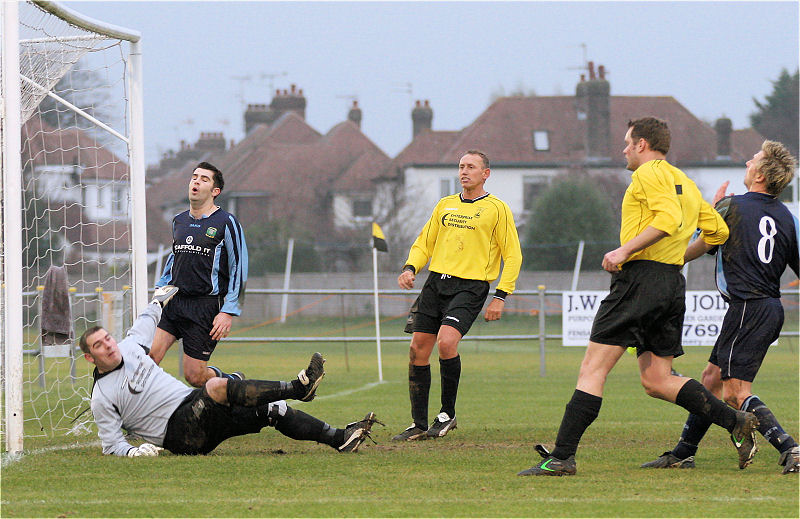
(73, 198)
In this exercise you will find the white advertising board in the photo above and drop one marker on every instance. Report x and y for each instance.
(705, 310)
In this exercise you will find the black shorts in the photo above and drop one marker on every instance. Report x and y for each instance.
(447, 300)
(645, 309)
(749, 327)
(199, 424)
(191, 318)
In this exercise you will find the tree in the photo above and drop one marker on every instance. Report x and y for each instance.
(573, 208)
(777, 117)
(267, 244)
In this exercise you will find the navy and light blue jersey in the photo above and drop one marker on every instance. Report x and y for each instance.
(209, 257)
(763, 241)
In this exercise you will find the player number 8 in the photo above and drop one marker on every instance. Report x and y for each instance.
(767, 242)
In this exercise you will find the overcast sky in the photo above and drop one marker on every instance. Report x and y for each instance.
(713, 57)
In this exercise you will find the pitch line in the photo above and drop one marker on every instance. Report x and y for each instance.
(350, 391)
(8, 458)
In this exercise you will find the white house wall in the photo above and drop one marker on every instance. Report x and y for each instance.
(422, 186)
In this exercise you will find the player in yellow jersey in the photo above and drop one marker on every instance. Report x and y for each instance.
(661, 210)
(465, 239)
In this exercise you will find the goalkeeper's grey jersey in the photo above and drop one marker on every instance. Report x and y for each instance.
(138, 395)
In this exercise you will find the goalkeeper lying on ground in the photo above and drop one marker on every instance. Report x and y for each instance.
(131, 392)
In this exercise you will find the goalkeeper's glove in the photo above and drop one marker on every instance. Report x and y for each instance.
(145, 449)
(162, 295)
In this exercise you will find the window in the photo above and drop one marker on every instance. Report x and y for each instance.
(362, 208)
(541, 140)
(120, 200)
(532, 187)
(448, 186)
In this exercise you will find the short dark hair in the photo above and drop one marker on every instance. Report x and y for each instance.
(218, 180)
(653, 130)
(83, 341)
(482, 155)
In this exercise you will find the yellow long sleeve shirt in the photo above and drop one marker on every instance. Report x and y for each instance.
(467, 239)
(662, 196)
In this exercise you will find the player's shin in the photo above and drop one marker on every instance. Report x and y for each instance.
(251, 393)
(768, 425)
(298, 425)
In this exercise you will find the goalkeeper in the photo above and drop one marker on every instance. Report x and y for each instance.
(132, 392)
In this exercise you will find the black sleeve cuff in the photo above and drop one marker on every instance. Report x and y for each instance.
(499, 294)
(409, 267)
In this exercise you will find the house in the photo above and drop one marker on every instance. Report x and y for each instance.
(530, 140)
(286, 174)
(80, 188)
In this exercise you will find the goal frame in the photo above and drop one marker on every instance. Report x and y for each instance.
(12, 303)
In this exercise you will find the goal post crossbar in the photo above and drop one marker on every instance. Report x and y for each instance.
(88, 23)
(75, 109)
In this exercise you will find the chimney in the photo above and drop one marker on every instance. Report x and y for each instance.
(723, 126)
(355, 114)
(211, 141)
(292, 100)
(421, 117)
(254, 115)
(598, 119)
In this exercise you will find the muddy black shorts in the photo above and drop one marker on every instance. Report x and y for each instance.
(644, 309)
(191, 318)
(447, 300)
(749, 327)
(199, 424)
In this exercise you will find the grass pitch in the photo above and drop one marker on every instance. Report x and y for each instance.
(504, 409)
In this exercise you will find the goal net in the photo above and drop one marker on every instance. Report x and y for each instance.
(78, 153)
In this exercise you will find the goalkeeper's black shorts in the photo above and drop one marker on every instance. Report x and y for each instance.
(199, 424)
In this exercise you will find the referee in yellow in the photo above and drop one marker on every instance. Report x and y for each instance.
(661, 210)
(465, 239)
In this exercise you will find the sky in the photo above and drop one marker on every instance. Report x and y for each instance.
(204, 61)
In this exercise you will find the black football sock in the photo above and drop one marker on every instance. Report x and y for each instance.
(419, 387)
(696, 399)
(693, 431)
(251, 393)
(298, 425)
(768, 425)
(580, 412)
(450, 371)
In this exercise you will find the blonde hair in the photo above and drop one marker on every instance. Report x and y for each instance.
(777, 166)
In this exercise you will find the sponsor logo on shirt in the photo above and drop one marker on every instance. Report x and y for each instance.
(139, 379)
(189, 240)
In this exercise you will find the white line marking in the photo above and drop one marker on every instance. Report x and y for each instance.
(350, 391)
(9, 458)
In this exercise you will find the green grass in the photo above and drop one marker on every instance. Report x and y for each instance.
(504, 409)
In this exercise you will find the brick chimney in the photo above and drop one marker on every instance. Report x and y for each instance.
(598, 120)
(211, 141)
(284, 101)
(355, 114)
(421, 117)
(254, 115)
(289, 101)
(723, 126)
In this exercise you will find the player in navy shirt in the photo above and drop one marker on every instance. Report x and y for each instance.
(763, 241)
(209, 265)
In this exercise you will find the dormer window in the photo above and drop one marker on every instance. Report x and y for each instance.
(541, 140)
